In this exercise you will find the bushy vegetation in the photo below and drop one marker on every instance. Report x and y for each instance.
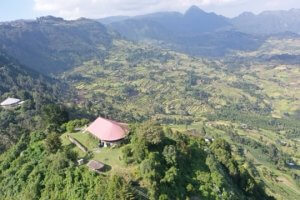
(55, 44)
(36, 90)
(170, 166)
(29, 171)
(254, 96)
(247, 104)
(174, 166)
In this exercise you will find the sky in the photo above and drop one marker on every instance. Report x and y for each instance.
(73, 9)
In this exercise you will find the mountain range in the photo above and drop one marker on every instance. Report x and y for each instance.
(50, 44)
(195, 21)
(206, 34)
(225, 91)
(268, 22)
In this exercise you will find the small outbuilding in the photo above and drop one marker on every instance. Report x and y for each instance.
(291, 164)
(109, 132)
(209, 139)
(80, 161)
(11, 103)
(96, 166)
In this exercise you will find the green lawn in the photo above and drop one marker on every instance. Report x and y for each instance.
(84, 138)
(110, 156)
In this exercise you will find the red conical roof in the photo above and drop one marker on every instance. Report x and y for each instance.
(108, 130)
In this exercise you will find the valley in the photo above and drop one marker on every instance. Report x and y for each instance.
(155, 89)
(213, 111)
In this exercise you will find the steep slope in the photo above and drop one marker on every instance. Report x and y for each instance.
(35, 89)
(268, 22)
(51, 44)
(39, 174)
(251, 99)
(195, 21)
(283, 48)
(217, 44)
(252, 102)
(194, 32)
(182, 85)
(163, 165)
(109, 20)
(16, 78)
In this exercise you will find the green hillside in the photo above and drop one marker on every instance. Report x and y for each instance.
(255, 105)
(173, 84)
(167, 165)
(50, 44)
(34, 89)
(201, 128)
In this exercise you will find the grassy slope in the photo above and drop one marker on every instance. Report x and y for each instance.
(109, 156)
(160, 80)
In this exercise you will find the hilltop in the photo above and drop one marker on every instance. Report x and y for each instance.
(249, 100)
(50, 44)
(31, 87)
(214, 110)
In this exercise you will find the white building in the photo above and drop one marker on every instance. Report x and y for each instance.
(11, 102)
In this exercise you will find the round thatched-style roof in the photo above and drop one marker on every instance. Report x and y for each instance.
(108, 130)
(95, 165)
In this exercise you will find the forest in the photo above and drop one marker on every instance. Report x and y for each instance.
(201, 127)
(170, 166)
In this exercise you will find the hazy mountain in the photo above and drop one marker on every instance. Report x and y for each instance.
(230, 125)
(165, 24)
(195, 32)
(109, 20)
(218, 43)
(268, 22)
(18, 81)
(202, 33)
(51, 44)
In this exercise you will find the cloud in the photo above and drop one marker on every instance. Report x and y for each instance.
(71, 9)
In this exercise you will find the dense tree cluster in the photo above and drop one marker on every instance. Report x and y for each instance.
(257, 121)
(29, 171)
(29, 86)
(131, 82)
(174, 166)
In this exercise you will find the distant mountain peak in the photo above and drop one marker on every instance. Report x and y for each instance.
(247, 14)
(281, 12)
(194, 10)
(268, 22)
(50, 18)
(83, 19)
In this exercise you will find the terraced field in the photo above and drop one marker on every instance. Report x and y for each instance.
(257, 101)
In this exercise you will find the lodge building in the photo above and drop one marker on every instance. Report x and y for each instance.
(108, 132)
(11, 103)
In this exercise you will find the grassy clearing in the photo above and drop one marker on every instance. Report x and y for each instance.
(111, 156)
(166, 90)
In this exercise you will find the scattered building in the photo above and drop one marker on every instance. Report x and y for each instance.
(291, 164)
(209, 139)
(244, 126)
(11, 103)
(80, 161)
(96, 166)
(109, 132)
(283, 143)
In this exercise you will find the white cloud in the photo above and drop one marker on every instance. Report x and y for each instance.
(71, 9)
